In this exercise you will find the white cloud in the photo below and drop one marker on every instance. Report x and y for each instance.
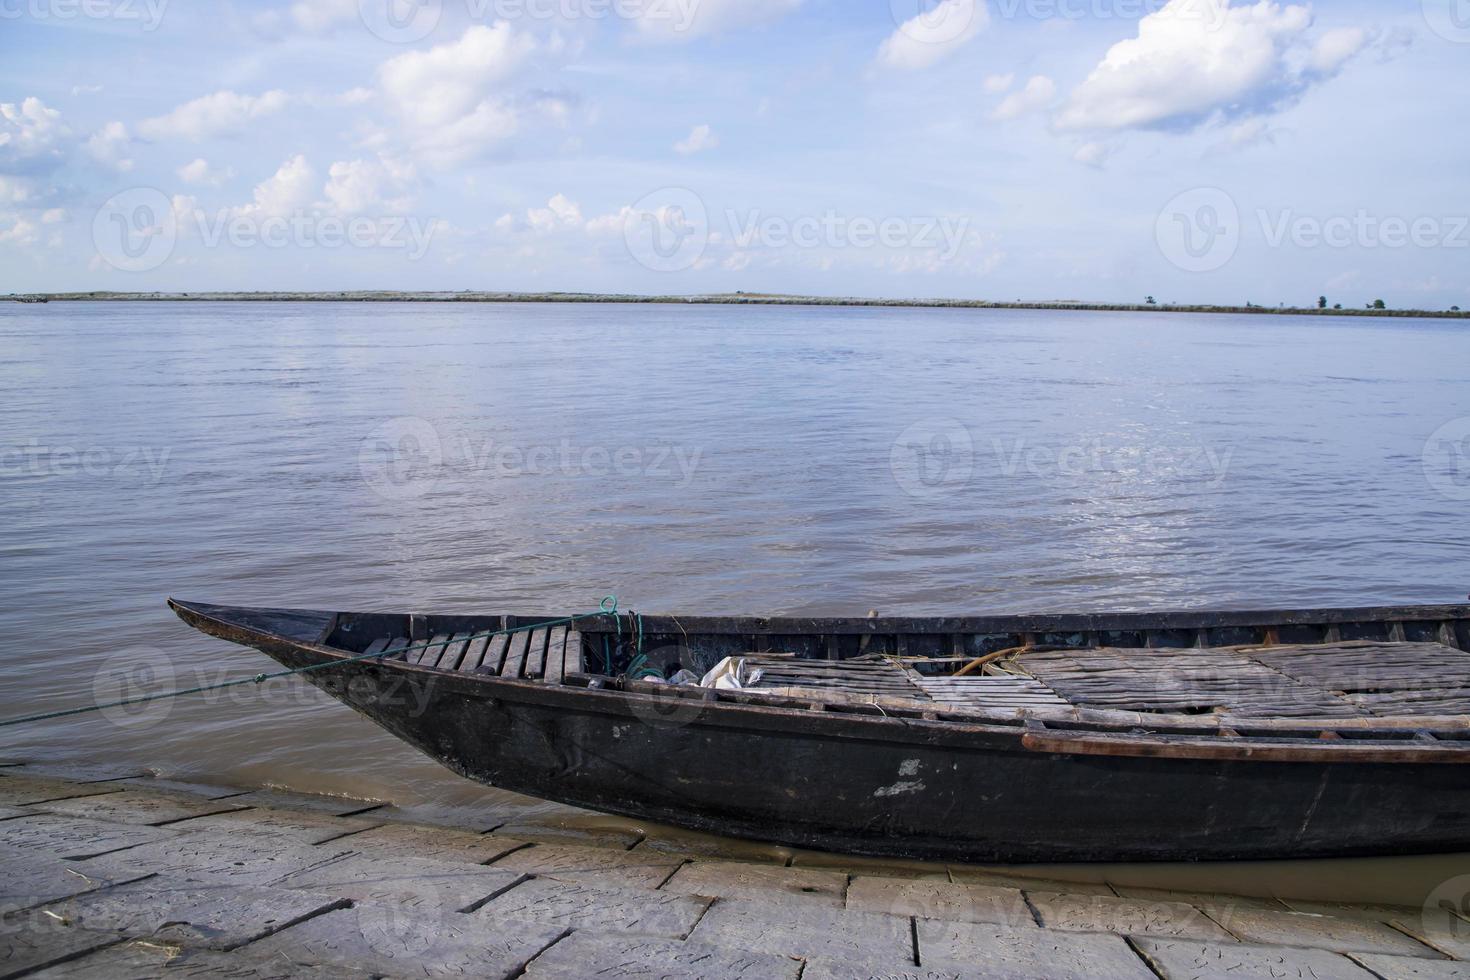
(490, 123)
(291, 190)
(54, 216)
(560, 212)
(1249, 133)
(20, 232)
(700, 138)
(200, 172)
(1198, 60)
(185, 205)
(316, 16)
(447, 95)
(563, 216)
(1093, 154)
(109, 145)
(1334, 48)
(553, 107)
(336, 100)
(31, 137)
(684, 20)
(446, 83)
(1036, 95)
(996, 84)
(213, 115)
(14, 191)
(357, 186)
(612, 224)
(934, 34)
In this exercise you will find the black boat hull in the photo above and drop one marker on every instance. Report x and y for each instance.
(862, 784)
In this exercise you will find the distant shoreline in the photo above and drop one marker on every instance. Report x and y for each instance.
(717, 299)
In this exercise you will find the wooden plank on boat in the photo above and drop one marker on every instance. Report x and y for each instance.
(377, 646)
(474, 655)
(443, 653)
(1451, 701)
(433, 653)
(537, 643)
(573, 659)
(427, 655)
(1242, 681)
(494, 661)
(1370, 667)
(825, 679)
(556, 654)
(395, 648)
(987, 692)
(455, 651)
(515, 660)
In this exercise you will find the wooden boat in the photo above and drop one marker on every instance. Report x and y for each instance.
(1171, 736)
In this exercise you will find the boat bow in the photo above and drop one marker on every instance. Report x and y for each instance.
(241, 624)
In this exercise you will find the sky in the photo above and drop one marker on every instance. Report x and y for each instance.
(1192, 151)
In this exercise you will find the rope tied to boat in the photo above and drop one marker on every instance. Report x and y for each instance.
(608, 607)
(638, 667)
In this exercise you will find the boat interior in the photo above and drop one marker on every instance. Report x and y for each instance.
(1333, 672)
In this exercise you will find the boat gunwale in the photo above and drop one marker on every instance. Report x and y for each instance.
(1075, 731)
(1032, 622)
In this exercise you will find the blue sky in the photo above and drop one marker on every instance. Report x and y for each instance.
(1191, 150)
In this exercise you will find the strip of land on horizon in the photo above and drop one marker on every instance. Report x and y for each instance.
(710, 299)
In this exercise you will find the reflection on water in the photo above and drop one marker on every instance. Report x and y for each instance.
(709, 459)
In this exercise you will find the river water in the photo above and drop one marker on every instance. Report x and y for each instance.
(697, 459)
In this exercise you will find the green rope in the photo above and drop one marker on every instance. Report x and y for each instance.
(639, 667)
(608, 607)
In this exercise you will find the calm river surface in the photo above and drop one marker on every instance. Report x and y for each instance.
(696, 459)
